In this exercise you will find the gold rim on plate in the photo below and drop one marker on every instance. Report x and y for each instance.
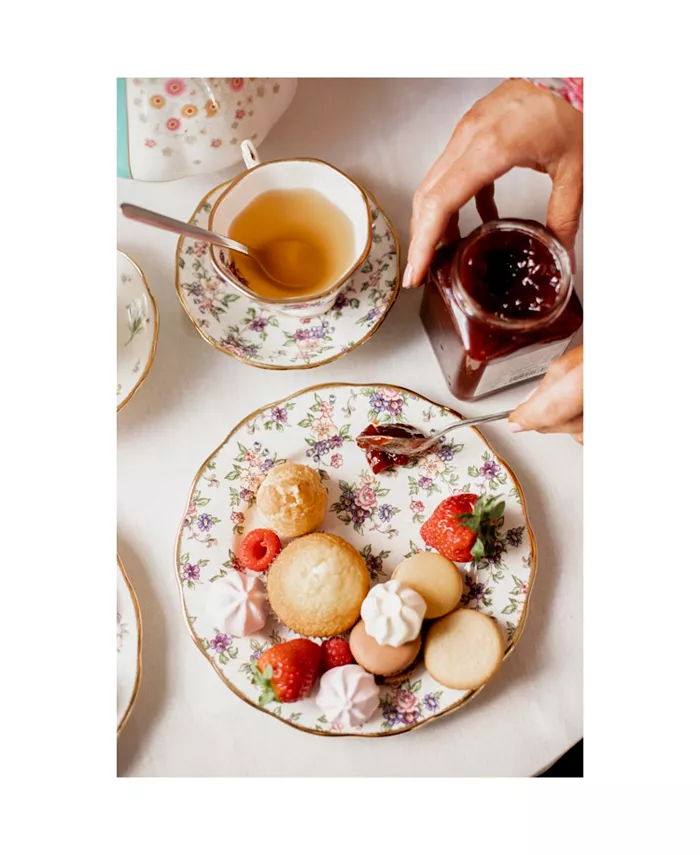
(330, 359)
(137, 681)
(511, 644)
(152, 354)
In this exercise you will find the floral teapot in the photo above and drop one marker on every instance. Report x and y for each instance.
(172, 127)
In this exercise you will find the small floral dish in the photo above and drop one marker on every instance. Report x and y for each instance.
(380, 515)
(128, 646)
(239, 327)
(137, 328)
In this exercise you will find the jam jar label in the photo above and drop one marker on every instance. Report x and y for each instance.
(527, 364)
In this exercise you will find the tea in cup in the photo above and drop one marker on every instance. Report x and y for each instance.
(312, 223)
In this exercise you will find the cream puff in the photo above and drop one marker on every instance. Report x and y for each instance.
(317, 584)
(292, 499)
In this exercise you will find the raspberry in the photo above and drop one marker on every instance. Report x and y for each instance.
(336, 652)
(259, 549)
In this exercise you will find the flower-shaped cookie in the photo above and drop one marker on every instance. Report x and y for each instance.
(237, 604)
(348, 695)
(393, 613)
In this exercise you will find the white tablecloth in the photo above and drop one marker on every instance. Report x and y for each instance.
(186, 722)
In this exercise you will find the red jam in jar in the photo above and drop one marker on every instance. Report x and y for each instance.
(499, 306)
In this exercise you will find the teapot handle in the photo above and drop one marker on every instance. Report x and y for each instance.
(251, 158)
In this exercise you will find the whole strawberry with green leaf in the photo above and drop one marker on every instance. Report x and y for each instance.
(465, 527)
(287, 671)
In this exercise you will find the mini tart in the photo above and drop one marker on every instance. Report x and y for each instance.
(292, 499)
(317, 584)
(381, 659)
(463, 650)
(435, 578)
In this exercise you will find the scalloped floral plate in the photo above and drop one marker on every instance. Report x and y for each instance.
(137, 328)
(240, 328)
(128, 646)
(381, 516)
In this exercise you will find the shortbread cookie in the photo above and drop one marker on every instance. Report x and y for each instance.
(463, 650)
(435, 578)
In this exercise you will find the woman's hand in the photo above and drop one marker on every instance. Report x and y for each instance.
(556, 406)
(518, 124)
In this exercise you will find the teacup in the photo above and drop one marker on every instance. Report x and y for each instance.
(305, 173)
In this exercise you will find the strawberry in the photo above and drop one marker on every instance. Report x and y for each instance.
(465, 527)
(336, 652)
(287, 671)
(259, 549)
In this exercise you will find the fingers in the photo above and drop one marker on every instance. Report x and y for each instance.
(557, 403)
(486, 203)
(565, 203)
(451, 232)
(479, 165)
(573, 426)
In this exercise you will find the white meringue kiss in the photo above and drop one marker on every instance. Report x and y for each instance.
(393, 613)
(237, 604)
(348, 695)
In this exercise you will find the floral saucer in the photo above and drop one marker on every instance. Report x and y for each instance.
(239, 327)
(128, 646)
(137, 328)
(381, 516)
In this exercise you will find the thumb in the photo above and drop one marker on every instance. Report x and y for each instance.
(565, 203)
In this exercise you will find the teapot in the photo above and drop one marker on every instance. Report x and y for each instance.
(171, 127)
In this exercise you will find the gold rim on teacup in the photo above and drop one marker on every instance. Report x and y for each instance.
(297, 305)
(510, 646)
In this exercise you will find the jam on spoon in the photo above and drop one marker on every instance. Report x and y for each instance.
(381, 460)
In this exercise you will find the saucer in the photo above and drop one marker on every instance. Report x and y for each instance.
(381, 516)
(128, 646)
(137, 328)
(240, 328)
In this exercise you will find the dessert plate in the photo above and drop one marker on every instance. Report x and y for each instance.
(380, 515)
(137, 328)
(128, 646)
(240, 328)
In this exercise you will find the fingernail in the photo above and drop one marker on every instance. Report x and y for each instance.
(408, 276)
(514, 427)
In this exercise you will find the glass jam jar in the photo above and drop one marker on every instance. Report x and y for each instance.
(499, 305)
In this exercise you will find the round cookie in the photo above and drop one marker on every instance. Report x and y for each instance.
(381, 659)
(464, 649)
(435, 578)
(292, 499)
(317, 584)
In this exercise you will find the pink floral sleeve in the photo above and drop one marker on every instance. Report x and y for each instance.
(568, 88)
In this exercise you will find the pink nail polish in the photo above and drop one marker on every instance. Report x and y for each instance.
(514, 427)
(408, 277)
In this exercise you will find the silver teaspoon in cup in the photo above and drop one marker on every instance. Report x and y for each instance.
(275, 258)
(409, 446)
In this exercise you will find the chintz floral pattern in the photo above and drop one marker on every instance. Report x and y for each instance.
(379, 515)
(235, 325)
(137, 328)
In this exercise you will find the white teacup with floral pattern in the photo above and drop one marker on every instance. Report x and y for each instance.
(305, 173)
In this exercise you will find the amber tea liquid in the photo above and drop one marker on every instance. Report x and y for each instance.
(300, 215)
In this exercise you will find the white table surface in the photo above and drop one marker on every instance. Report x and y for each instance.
(186, 722)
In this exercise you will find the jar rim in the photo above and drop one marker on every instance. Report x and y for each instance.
(534, 229)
